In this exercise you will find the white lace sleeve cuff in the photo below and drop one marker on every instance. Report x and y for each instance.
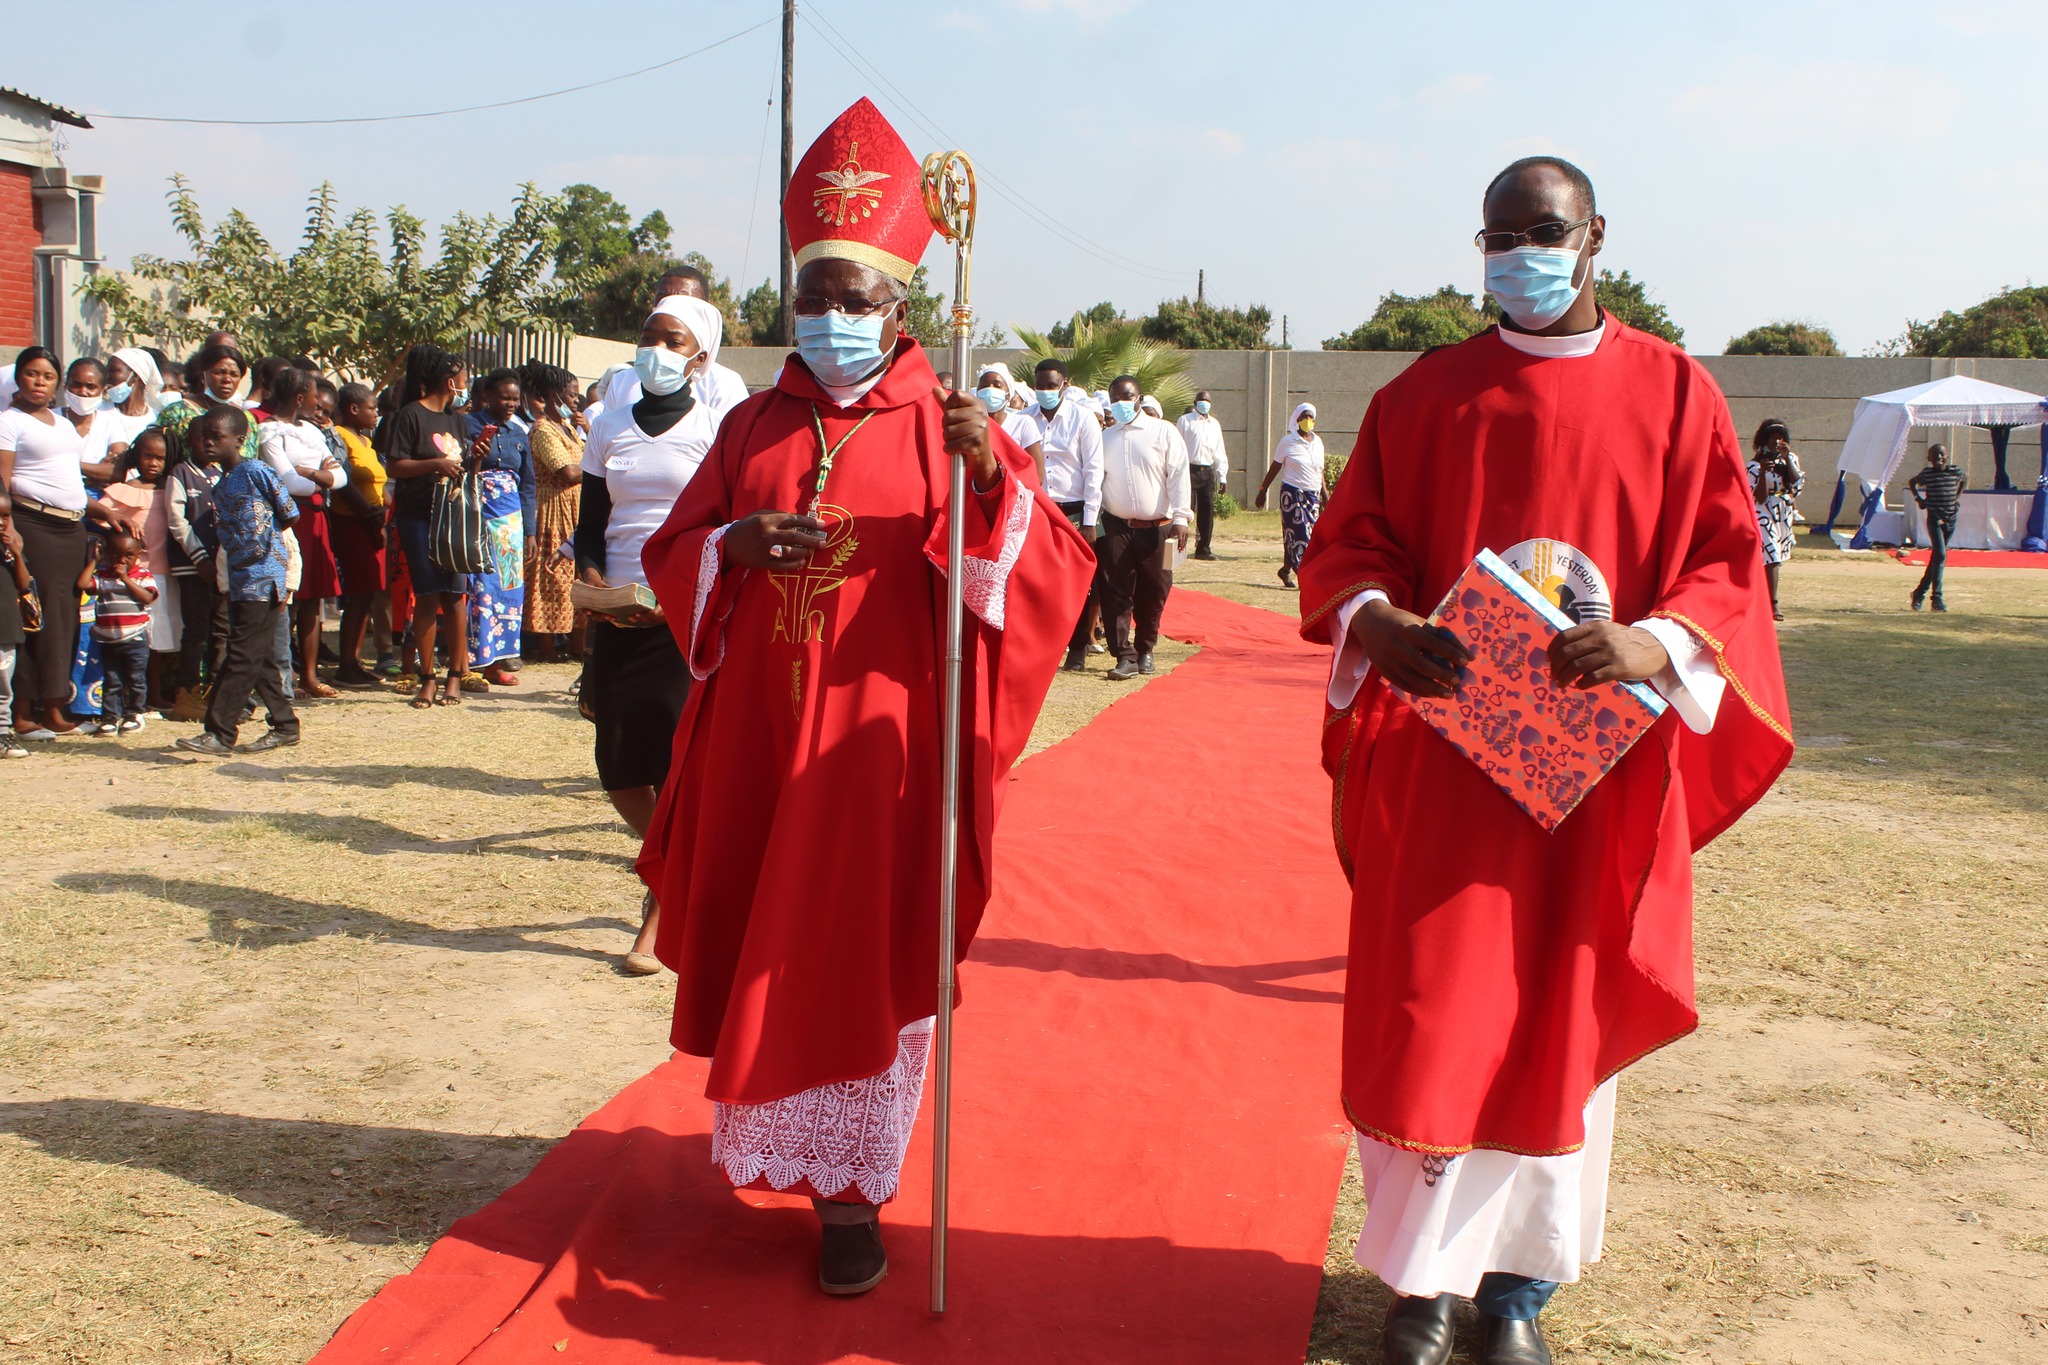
(709, 563)
(986, 582)
(1348, 666)
(1692, 683)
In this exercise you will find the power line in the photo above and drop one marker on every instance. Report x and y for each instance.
(754, 210)
(434, 113)
(862, 66)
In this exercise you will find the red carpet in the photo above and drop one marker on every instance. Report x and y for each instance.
(1978, 559)
(1147, 1139)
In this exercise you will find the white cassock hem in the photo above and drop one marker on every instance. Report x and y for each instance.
(1434, 1225)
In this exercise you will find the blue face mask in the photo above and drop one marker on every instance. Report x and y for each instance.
(1533, 284)
(562, 411)
(840, 350)
(459, 397)
(1202, 406)
(995, 400)
(661, 370)
(1049, 399)
(1122, 412)
(120, 394)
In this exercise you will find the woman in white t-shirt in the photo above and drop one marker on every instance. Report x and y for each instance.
(84, 399)
(1298, 464)
(637, 463)
(40, 468)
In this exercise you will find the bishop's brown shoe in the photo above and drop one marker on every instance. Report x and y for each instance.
(851, 1259)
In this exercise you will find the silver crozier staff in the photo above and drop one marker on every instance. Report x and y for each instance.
(948, 180)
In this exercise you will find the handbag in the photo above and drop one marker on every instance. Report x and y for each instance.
(455, 530)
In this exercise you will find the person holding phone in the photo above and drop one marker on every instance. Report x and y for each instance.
(428, 441)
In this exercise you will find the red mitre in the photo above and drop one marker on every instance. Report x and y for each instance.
(856, 196)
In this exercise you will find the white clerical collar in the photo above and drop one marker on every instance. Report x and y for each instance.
(1556, 348)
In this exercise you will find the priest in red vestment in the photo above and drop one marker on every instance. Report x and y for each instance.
(1500, 976)
(795, 848)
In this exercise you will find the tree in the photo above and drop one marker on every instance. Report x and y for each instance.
(758, 320)
(1629, 300)
(2011, 323)
(1404, 322)
(1194, 325)
(930, 320)
(337, 298)
(596, 232)
(1102, 351)
(1063, 333)
(1785, 338)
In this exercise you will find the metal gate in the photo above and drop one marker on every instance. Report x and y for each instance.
(510, 348)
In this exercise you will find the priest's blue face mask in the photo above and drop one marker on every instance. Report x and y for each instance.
(1533, 284)
(838, 349)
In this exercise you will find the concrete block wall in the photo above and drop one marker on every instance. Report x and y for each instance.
(1255, 392)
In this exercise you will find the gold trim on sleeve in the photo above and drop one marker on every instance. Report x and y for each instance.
(1342, 596)
(1721, 663)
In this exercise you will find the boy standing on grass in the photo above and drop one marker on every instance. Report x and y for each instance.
(1939, 491)
(123, 589)
(252, 515)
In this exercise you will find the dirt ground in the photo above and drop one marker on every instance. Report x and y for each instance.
(272, 1025)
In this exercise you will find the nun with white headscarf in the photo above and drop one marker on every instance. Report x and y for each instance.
(1298, 464)
(638, 461)
(134, 396)
(1003, 396)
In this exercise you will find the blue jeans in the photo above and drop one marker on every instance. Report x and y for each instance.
(124, 691)
(1512, 1296)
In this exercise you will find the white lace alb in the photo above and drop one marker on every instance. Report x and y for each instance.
(847, 1134)
(708, 566)
(985, 582)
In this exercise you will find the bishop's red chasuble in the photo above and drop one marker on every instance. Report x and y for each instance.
(795, 848)
(1498, 973)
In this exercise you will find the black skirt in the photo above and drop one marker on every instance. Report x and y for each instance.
(55, 551)
(635, 683)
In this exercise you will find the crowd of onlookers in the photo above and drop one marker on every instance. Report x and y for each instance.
(174, 536)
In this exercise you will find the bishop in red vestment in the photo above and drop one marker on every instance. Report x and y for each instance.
(1501, 975)
(795, 848)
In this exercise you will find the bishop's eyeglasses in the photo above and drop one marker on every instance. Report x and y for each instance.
(1543, 234)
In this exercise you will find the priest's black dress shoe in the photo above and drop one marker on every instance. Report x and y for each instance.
(1418, 1330)
(1511, 1341)
(850, 1255)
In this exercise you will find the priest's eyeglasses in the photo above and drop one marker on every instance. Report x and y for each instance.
(811, 306)
(1543, 234)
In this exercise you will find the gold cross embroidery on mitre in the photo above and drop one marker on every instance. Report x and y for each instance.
(850, 190)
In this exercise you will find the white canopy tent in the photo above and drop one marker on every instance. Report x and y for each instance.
(1884, 422)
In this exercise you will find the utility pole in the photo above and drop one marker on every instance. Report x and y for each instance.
(1283, 330)
(1201, 286)
(788, 168)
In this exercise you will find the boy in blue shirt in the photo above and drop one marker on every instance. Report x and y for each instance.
(252, 512)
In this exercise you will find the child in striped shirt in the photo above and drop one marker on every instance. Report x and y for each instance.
(123, 588)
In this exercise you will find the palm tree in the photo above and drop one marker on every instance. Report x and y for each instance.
(1102, 351)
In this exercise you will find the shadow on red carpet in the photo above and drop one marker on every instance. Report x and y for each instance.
(1147, 1139)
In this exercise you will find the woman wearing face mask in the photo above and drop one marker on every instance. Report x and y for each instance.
(638, 462)
(85, 385)
(558, 495)
(134, 393)
(1298, 464)
(212, 377)
(1004, 399)
(44, 492)
(429, 441)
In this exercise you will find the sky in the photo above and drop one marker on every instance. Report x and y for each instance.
(1855, 163)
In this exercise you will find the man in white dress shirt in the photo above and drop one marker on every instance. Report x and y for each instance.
(1208, 467)
(1144, 504)
(1071, 443)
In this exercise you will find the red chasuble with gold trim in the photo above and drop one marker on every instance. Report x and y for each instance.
(795, 849)
(1498, 972)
